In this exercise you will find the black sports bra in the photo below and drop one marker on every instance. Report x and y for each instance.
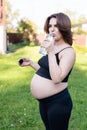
(44, 67)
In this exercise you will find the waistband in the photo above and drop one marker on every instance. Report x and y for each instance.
(56, 96)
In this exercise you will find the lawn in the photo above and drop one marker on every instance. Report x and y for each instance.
(18, 108)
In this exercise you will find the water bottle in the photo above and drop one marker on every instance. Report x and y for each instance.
(42, 49)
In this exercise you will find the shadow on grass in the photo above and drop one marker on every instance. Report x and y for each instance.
(15, 47)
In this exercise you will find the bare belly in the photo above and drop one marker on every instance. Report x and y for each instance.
(42, 87)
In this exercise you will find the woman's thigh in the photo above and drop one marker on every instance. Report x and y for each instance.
(59, 113)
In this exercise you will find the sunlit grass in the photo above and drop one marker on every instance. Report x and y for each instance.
(18, 108)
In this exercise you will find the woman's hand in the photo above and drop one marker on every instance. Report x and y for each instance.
(24, 62)
(27, 62)
(48, 44)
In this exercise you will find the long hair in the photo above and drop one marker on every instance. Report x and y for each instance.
(63, 24)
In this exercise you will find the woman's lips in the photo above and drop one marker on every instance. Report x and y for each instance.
(54, 35)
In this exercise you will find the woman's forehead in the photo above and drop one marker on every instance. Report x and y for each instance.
(52, 21)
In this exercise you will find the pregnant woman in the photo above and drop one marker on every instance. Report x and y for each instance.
(49, 85)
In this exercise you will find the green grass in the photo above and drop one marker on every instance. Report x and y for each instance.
(19, 109)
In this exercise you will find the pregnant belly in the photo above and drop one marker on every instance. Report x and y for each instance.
(42, 87)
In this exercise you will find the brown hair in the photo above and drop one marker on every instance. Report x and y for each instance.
(63, 24)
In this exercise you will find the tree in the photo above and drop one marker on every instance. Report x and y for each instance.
(10, 17)
(77, 21)
(28, 28)
(24, 26)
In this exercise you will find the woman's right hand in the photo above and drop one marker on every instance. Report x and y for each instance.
(25, 62)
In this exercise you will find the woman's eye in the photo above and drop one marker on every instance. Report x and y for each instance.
(53, 26)
(50, 26)
(56, 25)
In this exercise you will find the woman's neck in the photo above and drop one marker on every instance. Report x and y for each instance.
(60, 42)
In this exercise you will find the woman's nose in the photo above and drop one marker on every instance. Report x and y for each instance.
(52, 28)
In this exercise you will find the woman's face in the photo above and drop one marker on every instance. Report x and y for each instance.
(54, 29)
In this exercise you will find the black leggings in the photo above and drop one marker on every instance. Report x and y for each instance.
(56, 110)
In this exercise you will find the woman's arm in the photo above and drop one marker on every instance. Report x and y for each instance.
(28, 62)
(67, 60)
